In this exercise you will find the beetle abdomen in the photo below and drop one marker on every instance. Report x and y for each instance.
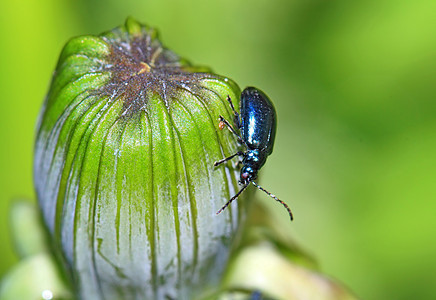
(258, 118)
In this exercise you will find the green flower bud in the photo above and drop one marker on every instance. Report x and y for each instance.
(27, 229)
(268, 264)
(37, 275)
(124, 170)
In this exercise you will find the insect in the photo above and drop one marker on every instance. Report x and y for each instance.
(257, 123)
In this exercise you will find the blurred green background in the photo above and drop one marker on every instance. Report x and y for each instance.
(354, 84)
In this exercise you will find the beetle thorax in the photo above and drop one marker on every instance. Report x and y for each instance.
(252, 162)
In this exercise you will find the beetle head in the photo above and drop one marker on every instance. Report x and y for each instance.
(248, 174)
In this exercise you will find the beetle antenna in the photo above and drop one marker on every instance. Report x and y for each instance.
(233, 198)
(275, 198)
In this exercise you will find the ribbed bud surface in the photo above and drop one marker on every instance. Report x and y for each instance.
(124, 168)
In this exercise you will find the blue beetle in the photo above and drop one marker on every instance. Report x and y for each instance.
(257, 123)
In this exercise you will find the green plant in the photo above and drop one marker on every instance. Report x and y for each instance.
(124, 175)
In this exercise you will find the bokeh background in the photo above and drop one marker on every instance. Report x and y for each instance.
(354, 84)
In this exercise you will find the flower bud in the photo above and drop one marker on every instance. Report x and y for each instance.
(123, 168)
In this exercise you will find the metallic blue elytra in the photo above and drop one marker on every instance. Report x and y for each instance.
(257, 122)
(258, 130)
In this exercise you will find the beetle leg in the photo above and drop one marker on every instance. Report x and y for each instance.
(236, 118)
(275, 198)
(230, 127)
(217, 163)
(237, 164)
